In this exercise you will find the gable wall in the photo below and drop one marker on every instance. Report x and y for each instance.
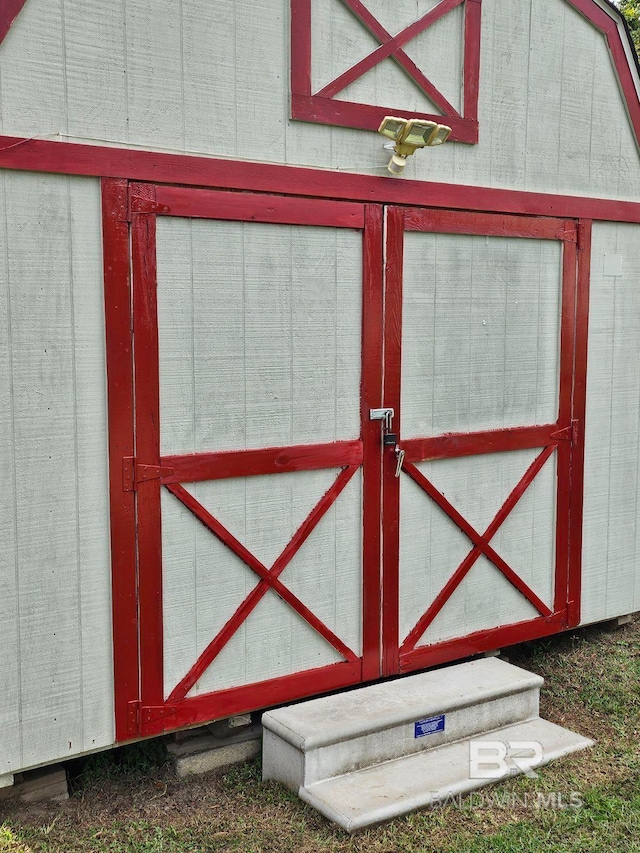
(182, 76)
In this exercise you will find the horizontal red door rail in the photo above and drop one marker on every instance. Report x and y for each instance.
(249, 207)
(482, 641)
(488, 225)
(250, 697)
(475, 443)
(193, 468)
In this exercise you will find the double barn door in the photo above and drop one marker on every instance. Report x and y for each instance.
(356, 445)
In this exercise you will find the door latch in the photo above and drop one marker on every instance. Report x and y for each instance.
(385, 415)
(400, 454)
(389, 438)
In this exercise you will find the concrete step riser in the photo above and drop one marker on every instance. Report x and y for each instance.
(364, 756)
(306, 768)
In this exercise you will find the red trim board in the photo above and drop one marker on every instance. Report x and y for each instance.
(68, 158)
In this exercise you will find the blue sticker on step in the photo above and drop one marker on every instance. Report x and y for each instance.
(428, 727)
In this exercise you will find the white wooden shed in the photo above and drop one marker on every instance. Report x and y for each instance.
(208, 281)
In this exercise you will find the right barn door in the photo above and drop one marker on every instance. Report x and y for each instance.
(482, 464)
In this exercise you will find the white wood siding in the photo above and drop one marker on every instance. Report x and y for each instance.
(260, 330)
(480, 336)
(56, 693)
(260, 346)
(611, 544)
(209, 76)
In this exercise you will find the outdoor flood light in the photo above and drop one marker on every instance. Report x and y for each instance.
(408, 135)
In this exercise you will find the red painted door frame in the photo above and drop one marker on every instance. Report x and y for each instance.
(565, 437)
(138, 472)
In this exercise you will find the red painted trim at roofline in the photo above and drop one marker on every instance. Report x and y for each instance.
(69, 158)
(9, 11)
(611, 31)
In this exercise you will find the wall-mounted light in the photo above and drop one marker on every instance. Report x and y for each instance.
(408, 135)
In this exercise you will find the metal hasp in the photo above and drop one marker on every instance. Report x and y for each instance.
(385, 415)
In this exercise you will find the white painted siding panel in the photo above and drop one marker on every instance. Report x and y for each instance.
(209, 69)
(33, 94)
(11, 744)
(55, 566)
(611, 543)
(213, 77)
(260, 330)
(154, 71)
(480, 333)
(95, 67)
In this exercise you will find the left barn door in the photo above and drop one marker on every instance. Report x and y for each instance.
(255, 461)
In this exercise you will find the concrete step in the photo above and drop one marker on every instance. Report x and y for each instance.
(379, 793)
(326, 737)
(365, 755)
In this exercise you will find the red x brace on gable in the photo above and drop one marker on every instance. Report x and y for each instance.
(324, 108)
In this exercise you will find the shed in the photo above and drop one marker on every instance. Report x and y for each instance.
(210, 287)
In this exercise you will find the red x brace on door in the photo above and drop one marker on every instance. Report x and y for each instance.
(324, 108)
(267, 578)
(481, 545)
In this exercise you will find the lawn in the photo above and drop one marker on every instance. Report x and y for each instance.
(131, 802)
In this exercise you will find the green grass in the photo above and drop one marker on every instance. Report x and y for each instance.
(129, 801)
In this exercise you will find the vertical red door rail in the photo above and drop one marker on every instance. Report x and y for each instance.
(139, 473)
(564, 437)
(119, 348)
